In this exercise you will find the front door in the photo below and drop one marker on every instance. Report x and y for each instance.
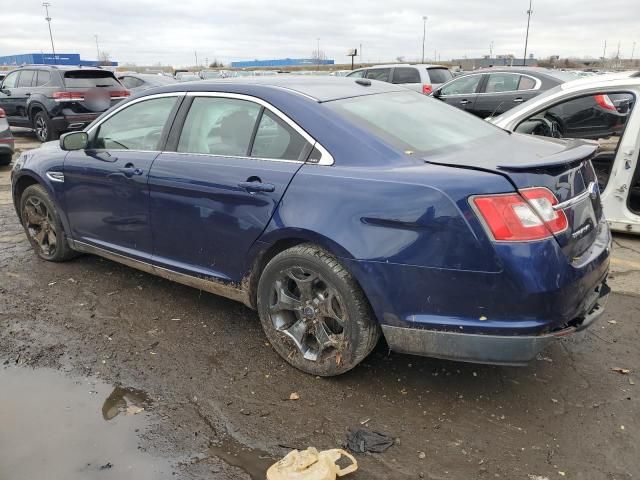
(13, 97)
(461, 92)
(213, 197)
(106, 193)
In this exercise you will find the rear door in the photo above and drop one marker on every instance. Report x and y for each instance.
(499, 94)
(105, 186)
(213, 196)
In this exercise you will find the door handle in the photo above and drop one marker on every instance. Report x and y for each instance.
(27, 94)
(464, 102)
(518, 100)
(253, 187)
(129, 170)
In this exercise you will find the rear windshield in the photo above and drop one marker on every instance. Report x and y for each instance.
(89, 79)
(413, 122)
(439, 75)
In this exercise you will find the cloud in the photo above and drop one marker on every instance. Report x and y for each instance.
(147, 31)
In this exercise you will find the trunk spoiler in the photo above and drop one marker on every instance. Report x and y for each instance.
(577, 151)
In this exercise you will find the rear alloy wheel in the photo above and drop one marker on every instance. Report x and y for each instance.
(43, 127)
(313, 312)
(42, 225)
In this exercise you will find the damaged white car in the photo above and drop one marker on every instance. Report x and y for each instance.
(600, 109)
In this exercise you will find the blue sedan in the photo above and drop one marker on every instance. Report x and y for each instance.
(340, 209)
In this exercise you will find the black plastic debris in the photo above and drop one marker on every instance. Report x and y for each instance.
(362, 440)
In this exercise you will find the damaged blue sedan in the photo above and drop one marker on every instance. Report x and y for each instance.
(340, 209)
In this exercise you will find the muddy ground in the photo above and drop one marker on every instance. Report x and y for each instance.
(216, 396)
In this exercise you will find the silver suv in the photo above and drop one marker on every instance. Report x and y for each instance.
(416, 76)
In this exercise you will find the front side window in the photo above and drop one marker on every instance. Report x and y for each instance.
(357, 74)
(137, 127)
(502, 82)
(275, 139)
(219, 126)
(26, 78)
(381, 74)
(10, 80)
(406, 75)
(462, 86)
(414, 123)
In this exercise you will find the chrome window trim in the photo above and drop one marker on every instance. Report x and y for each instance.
(325, 157)
(538, 84)
(535, 87)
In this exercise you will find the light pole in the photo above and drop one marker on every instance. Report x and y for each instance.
(318, 54)
(46, 6)
(604, 54)
(526, 39)
(424, 33)
(633, 50)
(97, 49)
(491, 49)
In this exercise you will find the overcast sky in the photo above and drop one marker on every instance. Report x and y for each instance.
(146, 32)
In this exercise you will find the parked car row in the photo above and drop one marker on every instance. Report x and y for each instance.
(54, 99)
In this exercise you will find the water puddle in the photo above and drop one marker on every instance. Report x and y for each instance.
(53, 426)
(252, 461)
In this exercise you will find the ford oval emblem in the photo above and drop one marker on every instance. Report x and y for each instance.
(594, 190)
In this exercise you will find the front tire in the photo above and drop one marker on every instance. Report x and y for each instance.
(44, 128)
(42, 225)
(314, 313)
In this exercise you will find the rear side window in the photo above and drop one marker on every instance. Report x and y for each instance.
(439, 75)
(406, 75)
(219, 126)
(42, 78)
(415, 123)
(26, 78)
(381, 74)
(89, 79)
(526, 83)
(275, 139)
(502, 82)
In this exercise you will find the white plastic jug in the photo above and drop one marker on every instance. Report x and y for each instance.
(310, 464)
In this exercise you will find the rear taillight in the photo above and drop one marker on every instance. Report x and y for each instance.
(604, 101)
(2, 114)
(68, 96)
(521, 217)
(427, 88)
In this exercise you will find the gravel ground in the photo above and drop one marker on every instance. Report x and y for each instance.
(219, 395)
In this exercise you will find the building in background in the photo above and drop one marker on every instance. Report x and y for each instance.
(48, 59)
(497, 61)
(282, 62)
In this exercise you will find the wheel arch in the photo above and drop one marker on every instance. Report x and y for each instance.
(33, 108)
(273, 243)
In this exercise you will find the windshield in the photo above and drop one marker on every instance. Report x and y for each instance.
(211, 75)
(414, 123)
(89, 79)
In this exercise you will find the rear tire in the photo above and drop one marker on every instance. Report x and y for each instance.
(314, 313)
(44, 128)
(42, 225)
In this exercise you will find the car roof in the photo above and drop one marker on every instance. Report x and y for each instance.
(605, 80)
(392, 65)
(63, 67)
(319, 88)
(562, 75)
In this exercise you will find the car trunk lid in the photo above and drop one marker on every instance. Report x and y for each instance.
(561, 166)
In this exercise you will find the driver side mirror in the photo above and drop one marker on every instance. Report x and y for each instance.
(74, 141)
(436, 93)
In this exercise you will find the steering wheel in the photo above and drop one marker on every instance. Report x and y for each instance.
(548, 127)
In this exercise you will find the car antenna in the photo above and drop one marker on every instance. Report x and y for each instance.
(364, 82)
(496, 109)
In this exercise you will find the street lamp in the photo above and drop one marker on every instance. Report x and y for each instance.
(97, 49)
(526, 40)
(424, 33)
(46, 6)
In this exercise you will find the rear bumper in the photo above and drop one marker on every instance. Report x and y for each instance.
(514, 350)
(74, 122)
(6, 146)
